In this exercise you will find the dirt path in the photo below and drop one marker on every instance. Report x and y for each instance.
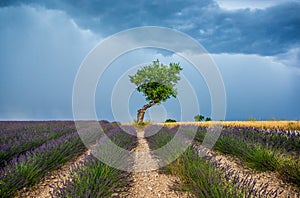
(52, 179)
(147, 181)
(265, 184)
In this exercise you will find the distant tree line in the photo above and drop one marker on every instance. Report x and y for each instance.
(197, 118)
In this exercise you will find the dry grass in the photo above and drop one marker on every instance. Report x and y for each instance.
(283, 125)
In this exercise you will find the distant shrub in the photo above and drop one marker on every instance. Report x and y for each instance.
(170, 120)
(208, 119)
(198, 118)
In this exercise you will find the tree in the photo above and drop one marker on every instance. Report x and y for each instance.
(198, 118)
(157, 83)
(207, 119)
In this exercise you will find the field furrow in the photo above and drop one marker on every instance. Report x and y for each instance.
(147, 180)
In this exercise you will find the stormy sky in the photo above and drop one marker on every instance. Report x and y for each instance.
(255, 45)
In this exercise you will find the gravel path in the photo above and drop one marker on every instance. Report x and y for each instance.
(147, 180)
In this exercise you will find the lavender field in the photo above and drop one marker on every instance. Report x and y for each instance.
(30, 150)
(246, 161)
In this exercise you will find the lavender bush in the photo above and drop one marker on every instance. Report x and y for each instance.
(93, 178)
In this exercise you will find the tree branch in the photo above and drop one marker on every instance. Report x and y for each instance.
(146, 106)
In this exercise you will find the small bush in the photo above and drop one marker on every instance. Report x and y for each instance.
(170, 120)
(208, 119)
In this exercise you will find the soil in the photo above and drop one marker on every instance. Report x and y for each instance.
(147, 180)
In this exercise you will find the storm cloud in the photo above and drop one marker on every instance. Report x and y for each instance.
(269, 31)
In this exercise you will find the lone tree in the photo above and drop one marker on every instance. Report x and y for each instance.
(157, 82)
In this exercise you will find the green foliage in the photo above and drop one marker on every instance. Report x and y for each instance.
(254, 156)
(200, 178)
(198, 118)
(289, 170)
(207, 119)
(155, 91)
(157, 81)
(96, 179)
(170, 120)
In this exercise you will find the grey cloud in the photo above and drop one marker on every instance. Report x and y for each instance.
(290, 58)
(269, 31)
(266, 32)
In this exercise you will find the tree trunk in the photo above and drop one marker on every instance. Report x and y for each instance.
(140, 116)
(142, 111)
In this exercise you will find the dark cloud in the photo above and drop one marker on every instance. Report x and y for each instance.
(267, 31)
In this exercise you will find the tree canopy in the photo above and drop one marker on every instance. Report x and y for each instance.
(157, 81)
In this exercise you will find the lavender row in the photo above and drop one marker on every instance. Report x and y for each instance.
(198, 176)
(274, 139)
(19, 137)
(29, 168)
(28, 141)
(262, 151)
(285, 143)
(288, 132)
(94, 178)
(15, 129)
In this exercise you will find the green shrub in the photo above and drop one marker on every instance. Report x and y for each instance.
(207, 119)
(170, 120)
